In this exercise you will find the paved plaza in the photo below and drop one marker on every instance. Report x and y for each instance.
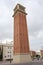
(30, 63)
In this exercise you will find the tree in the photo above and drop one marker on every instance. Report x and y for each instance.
(37, 56)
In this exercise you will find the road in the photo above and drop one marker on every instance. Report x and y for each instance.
(30, 63)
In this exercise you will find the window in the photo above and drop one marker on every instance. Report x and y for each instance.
(8, 47)
(8, 51)
(5, 56)
(8, 55)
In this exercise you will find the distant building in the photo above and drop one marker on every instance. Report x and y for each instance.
(38, 53)
(32, 53)
(8, 52)
(41, 53)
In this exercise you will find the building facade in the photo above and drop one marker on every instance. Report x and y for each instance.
(7, 52)
(33, 53)
(41, 51)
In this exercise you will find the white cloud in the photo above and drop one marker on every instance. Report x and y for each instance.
(5, 22)
(34, 8)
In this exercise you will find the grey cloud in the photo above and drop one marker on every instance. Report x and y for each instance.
(34, 9)
(36, 43)
(10, 4)
(6, 29)
(35, 18)
(35, 14)
(40, 2)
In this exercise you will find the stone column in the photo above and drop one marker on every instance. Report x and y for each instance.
(21, 41)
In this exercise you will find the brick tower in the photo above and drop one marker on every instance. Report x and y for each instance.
(21, 42)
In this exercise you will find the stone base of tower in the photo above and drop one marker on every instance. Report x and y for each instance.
(22, 58)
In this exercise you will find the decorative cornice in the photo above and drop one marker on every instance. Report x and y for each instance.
(19, 11)
(19, 8)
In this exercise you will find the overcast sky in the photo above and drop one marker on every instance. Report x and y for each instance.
(34, 8)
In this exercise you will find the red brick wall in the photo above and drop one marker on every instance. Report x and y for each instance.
(21, 43)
